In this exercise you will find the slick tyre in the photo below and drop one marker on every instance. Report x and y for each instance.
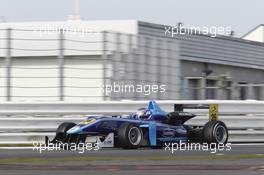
(129, 136)
(215, 132)
(61, 131)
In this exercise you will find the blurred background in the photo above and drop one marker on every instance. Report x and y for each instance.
(74, 59)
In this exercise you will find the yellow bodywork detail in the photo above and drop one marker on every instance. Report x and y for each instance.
(86, 122)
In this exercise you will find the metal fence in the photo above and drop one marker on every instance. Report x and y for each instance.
(59, 65)
(69, 66)
(28, 122)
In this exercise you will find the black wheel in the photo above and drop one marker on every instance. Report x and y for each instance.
(215, 132)
(129, 136)
(62, 129)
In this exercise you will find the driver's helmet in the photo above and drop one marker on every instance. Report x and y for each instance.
(143, 114)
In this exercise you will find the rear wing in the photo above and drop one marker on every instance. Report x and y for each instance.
(213, 109)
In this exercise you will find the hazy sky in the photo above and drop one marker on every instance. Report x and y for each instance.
(241, 15)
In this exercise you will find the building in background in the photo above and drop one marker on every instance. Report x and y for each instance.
(76, 60)
(256, 34)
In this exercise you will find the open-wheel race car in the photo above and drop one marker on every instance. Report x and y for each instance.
(147, 127)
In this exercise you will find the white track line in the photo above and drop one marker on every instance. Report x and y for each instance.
(16, 148)
(247, 144)
(30, 147)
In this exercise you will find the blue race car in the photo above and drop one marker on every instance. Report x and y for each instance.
(151, 127)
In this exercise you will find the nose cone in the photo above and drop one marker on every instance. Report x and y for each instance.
(75, 130)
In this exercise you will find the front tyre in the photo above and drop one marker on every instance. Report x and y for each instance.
(130, 136)
(61, 131)
(215, 132)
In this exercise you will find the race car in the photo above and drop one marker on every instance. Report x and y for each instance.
(150, 126)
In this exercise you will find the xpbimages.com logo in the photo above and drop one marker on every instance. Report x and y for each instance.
(60, 146)
(187, 146)
(130, 87)
(212, 31)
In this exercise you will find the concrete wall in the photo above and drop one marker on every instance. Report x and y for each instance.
(2, 79)
(155, 61)
(37, 79)
(43, 38)
(84, 78)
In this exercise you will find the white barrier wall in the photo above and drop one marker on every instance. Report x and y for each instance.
(2, 79)
(30, 122)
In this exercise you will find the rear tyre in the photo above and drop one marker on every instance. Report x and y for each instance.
(215, 132)
(130, 136)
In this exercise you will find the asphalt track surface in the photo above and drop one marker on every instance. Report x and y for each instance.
(242, 159)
